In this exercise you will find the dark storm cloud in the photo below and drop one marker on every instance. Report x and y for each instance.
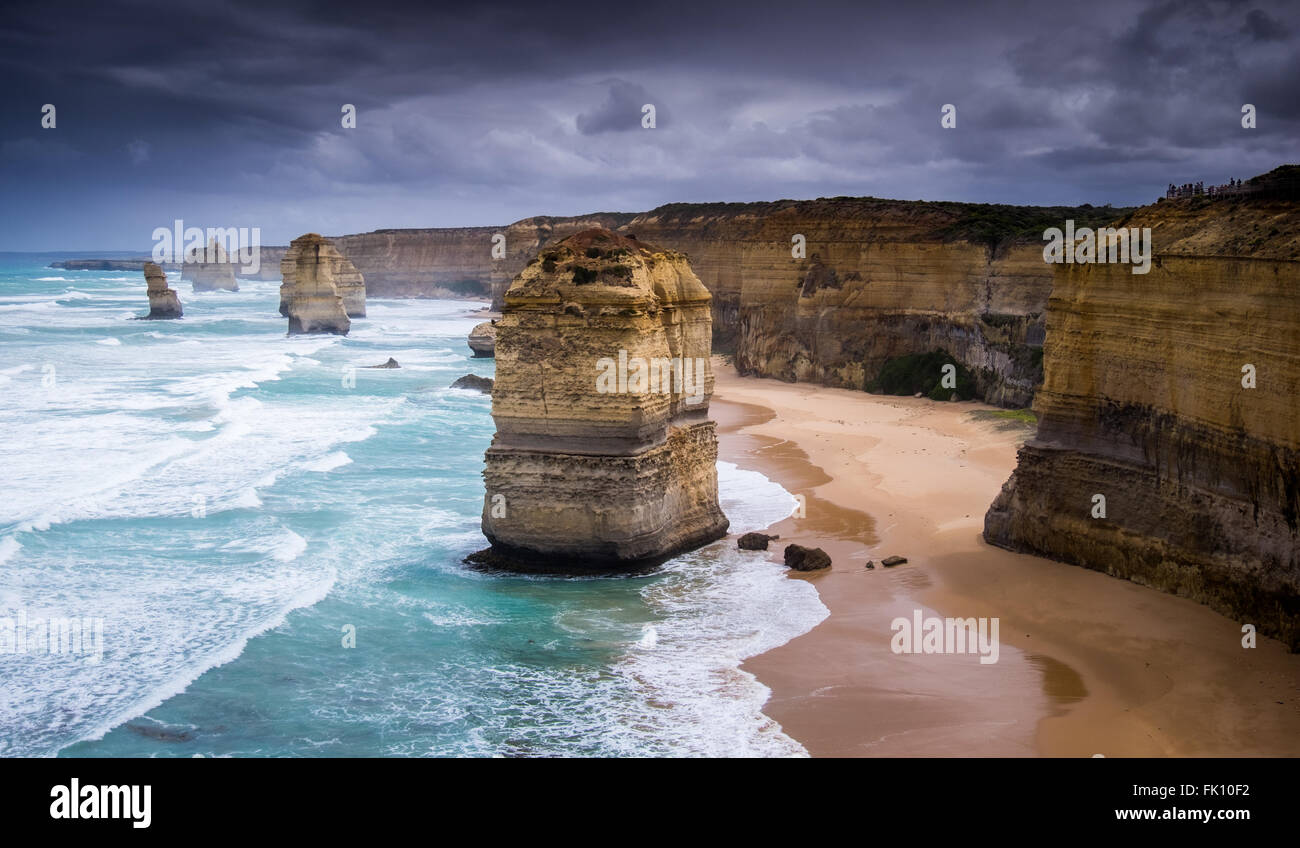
(229, 113)
(621, 111)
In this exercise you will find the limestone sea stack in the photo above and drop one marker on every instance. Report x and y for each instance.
(604, 454)
(163, 301)
(347, 280)
(209, 269)
(312, 302)
(1168, 443)
(483, 340)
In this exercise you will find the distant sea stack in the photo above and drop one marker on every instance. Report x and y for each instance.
(604, 454)
(163, 301)
(209, 269)
(348, 282)
(312, 302)
(1168, 444)
(483, 340)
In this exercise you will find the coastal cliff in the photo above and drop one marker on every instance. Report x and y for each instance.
(163, 301)
(313, 304)
(342, 274)
(604, 453)
(457, 261)
(1168, 446)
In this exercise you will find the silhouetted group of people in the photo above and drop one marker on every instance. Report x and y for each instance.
(1233, 186)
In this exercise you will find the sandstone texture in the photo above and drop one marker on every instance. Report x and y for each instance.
(209, 269)
(163, 301)
(585, 472)
(347, 280)
(313, 303)
(483, 340)
(1143, 403)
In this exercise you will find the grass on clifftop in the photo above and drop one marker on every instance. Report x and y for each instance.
(992, 224)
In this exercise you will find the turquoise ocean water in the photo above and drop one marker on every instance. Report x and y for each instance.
(230, 508)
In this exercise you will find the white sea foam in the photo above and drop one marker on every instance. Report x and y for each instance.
(720, 606)
(329, 462)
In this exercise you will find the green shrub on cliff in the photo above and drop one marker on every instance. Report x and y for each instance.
(923, 372)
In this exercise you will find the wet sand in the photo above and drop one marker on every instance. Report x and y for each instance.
(1088, 664)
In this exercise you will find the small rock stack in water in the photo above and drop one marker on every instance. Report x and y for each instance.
(210, 269)
(163, 301)
(604, 452)
(312, 301)
(347, 280)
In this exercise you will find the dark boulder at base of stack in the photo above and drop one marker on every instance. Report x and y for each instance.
(806, 559)
(754, 541)
(163, 301)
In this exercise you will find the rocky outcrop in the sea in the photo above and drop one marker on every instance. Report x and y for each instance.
(209, 269)
(604, 453)
(313, 303)
(1168, 445)
(483, 339)
(347, 280)
(163, 301)
(473, 382)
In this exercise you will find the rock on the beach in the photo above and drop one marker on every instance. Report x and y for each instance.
(483, 340)
(163, 301)
(475, 383)
(588, 469)
(806, 559)
(754, 541)
(312, 301)
(871, 564)
(891, 561)
(347, 280)
(209, 269)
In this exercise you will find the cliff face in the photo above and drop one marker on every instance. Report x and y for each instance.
(209, 269)
(604, 452)
(1143, 403)
(313, 304)
(163, 301)
(346, 279)
(458, 261)
(877, 280)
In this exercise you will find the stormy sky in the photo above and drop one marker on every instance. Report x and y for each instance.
(229, 114)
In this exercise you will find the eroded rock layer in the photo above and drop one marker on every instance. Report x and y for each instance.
(312, 301)
(483, 339)
(1144, 405)
(347, 280)
(163, 301)
(594, 463)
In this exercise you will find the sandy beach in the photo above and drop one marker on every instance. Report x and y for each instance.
(1088, 664)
